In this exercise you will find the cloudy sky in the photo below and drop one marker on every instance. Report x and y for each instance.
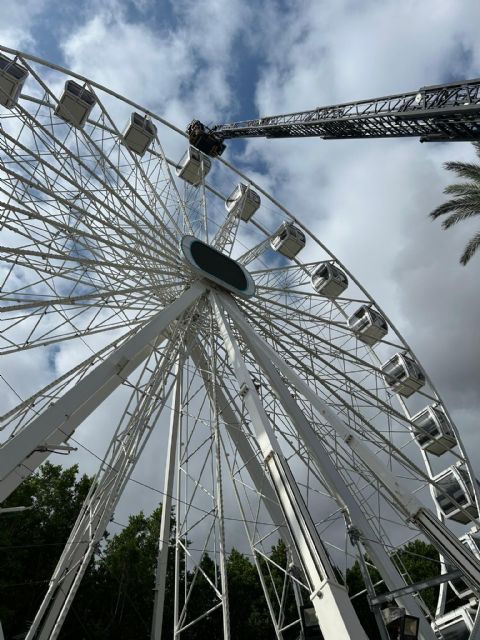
(366, 200)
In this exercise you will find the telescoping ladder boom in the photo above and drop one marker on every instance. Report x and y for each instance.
(440, 113)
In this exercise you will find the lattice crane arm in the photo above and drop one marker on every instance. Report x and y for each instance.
(446, 112)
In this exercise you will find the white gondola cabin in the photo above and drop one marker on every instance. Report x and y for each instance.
(139, 133)
(455, 491)
(368, 325)
(12, 77)
(403, 375)
(472, 542)
(288, 240)
(244, 201)
(75, 104)
(456, 624)
(433, 430)
(193, 166)
(329, 280)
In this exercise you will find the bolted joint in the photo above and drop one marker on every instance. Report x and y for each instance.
(244, 389)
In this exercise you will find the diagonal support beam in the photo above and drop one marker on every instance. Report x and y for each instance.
(331, 475)
(19, 456)
(248, 456)
(442, 538)
(131, 437)
(333, 608)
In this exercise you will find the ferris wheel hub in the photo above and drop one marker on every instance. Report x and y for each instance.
(217, 267)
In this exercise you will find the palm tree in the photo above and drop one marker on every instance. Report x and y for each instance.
(465, 202)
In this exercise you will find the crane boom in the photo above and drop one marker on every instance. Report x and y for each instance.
(446, 112)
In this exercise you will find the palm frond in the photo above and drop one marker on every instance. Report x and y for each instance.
(458, 217)
(463, 204)
(470, 249)
(464, 189)
(467, 170)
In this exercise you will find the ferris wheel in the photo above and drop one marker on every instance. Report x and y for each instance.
(136, 274)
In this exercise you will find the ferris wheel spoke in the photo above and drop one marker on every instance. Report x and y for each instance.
(112, 297)
(336, 333)
(87, 262)
(106, 216)
(374, 437)
(70, 308)
(39, 261)
(346, 357)
(102, 160)
(365, 427)
(103, 224)
(315, 296)
(282, 402)
(60, 233)
(132, 435)
(139, 173)
(289, 333)
(298, 311)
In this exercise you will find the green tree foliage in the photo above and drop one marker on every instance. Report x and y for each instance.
(418, 560)
(32, 541)
(355, 585)
(120, 603)
(115, 600)
(248, 610)
(465, 201)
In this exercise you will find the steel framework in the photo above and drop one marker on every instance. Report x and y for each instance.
(274, 416)
(439, 113)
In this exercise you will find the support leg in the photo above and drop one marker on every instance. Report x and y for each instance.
(164, 535)
(99, 506)
(55, 425)
(334, 610)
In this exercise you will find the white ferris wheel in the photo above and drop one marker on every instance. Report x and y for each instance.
(288, 403)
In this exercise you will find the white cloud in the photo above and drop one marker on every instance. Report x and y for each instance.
(366, 200)
(369, 200)
(175, 71)
(17, 20)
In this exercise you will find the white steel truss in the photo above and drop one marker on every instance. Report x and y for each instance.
(281, 422)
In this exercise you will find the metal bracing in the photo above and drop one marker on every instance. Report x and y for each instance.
(254, 252)
(233, 426)
(435, 113)
(332, 605)
(369, 586)
(220, 510)
(131, 437)
(55, 425)
(413, 509)
(89, 254)
(329, 472)
(164, 534)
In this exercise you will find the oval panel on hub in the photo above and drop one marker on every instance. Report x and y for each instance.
(216, 266)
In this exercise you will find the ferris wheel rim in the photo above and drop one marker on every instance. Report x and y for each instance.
(296, 265)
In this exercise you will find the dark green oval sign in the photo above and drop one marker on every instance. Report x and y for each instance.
(218, 267)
